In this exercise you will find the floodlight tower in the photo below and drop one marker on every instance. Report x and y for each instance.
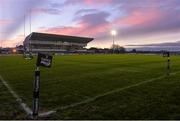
(113, 33)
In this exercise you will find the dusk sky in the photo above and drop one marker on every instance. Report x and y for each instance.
(136, 21)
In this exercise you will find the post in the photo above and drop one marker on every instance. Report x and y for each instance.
(30, 21)
(113, 44)
(36, 93)
(45, 61)
(113, 33)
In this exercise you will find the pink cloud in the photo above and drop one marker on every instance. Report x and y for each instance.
(81, 30)
(140, 17)
(95, 2)
(60, 30)
(150, 23)
(94, 31)
(13, 42)
(5, 22)
(87, 26)
(88, 2)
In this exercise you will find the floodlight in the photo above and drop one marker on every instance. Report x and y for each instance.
(113, 32)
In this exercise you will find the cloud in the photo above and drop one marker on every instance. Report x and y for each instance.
(52, 11)
(85, 11)
(87, 2)
(149, 17)
(139, 18)
(133, 19)
(161, 23)
(4, 22)
(13, 42)
(17, 13)
(94, 19)
(177, 43)
(87, 26)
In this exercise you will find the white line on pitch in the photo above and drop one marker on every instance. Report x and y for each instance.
(18, 99)
(108, 93)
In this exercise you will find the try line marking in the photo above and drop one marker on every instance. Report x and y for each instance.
(23, 105)
(109, 93)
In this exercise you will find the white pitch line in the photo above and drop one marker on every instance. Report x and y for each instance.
(108, 93)
(18, 99)
(45, 114)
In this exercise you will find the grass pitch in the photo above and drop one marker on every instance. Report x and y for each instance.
(95, 87)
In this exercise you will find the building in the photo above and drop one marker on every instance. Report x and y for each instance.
(19, 49)
(6, 50)
(43, 42)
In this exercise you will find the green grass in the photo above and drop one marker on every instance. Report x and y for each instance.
(75, 78)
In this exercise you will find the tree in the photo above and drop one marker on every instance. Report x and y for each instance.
(133, 51)
(94, 49)
(118, 49)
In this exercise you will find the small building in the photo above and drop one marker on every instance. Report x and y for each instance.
(6, 50)
(43, 42)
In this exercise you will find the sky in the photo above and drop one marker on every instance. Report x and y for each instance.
(137, 22)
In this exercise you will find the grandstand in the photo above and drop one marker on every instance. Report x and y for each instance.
(43, 42)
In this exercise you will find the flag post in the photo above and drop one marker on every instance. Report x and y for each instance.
(36, 93)
(43, 60)
(167, 54)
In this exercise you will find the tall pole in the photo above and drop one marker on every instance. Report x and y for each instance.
(30, 20)
(113, 33)
(24, 25)
(113, 44)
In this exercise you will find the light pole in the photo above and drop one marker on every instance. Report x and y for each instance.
(113, 33)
